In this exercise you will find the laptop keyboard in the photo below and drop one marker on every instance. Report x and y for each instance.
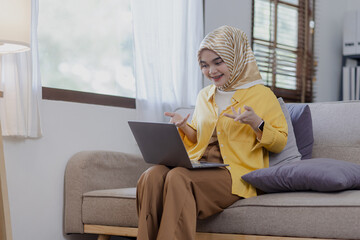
(203, 164)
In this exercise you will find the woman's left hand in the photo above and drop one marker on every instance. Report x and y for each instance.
(247, 117)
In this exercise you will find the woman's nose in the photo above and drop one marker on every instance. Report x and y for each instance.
(212, 70)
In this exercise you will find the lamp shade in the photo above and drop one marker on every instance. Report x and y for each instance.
(15, 25)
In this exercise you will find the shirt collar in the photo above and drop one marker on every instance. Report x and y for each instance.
(237, 95)
(211, 92)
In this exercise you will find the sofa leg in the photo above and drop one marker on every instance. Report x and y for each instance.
(103, 237)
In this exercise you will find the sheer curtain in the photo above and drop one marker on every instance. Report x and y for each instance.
(167, 35)
(21, 84)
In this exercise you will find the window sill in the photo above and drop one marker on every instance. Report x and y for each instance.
(85, 97)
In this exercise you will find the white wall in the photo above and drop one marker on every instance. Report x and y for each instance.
(236, 13)
(328, 49)
(35, 167)
(228, 12)
(329, 25)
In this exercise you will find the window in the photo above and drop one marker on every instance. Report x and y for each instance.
(86, 46)
(282, 41)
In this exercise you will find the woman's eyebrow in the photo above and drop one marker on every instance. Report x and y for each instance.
(215, 59)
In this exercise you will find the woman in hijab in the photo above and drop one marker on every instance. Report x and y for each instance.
(236, 121)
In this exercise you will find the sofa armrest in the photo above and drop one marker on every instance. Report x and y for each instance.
(96, 170)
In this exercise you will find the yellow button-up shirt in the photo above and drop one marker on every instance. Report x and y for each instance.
(238, 144)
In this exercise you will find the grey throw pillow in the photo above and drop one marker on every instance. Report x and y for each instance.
(300, 115)
(318, 174)
(290, 153)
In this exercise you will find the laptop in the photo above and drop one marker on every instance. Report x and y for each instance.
(160, 143)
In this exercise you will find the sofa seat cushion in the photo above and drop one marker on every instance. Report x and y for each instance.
(112, 207)
(293, 214)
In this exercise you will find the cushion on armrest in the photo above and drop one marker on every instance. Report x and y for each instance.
(302, 123)
(290, 152)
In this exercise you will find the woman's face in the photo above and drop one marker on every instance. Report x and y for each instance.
(214, 68)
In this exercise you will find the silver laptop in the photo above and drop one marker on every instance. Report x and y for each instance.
(160, 143)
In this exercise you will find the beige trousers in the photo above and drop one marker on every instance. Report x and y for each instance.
(169, 200)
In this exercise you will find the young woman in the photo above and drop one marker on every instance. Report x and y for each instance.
(237, 120)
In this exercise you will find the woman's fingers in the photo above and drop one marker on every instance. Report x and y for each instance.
(233, 110)
(183, 121)
(169, 114)
(248, 108)
(239, 118)
(243, 117)
(229, 115)
(187, 117)
(239, 111)
(173, 116)
(180, 123)
(236, 113)
(176, 118)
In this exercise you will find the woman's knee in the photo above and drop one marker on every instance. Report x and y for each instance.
(154, 175)
(177, 176)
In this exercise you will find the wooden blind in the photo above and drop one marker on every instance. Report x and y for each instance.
(282, 41)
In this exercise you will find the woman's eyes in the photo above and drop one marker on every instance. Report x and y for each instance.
(216, 63)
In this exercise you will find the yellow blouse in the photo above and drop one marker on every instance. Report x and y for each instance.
(238, 144)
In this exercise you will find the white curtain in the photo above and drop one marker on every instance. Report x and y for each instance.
(21, 84)
(167, 35)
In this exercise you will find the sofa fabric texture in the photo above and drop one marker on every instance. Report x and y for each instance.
(336, 130)
(110, 206)
(94, 170)
(95, 194)
(297, 214)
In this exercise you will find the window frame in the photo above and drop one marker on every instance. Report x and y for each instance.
(305, 53)
(87, 97)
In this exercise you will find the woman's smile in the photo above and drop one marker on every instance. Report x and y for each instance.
(217, 78)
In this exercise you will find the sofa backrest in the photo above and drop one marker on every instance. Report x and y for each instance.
(336, 129)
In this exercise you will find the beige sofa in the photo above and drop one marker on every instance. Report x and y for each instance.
(100, 193)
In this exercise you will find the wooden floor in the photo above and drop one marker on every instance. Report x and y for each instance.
(105, 232)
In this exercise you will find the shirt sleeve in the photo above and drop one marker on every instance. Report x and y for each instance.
(274, 137)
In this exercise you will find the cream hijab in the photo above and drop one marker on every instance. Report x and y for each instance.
(232, 45)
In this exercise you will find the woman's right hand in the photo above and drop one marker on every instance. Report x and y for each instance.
(177, 119)
(180, 122)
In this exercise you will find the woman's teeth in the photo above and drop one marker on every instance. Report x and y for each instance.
(218, 77)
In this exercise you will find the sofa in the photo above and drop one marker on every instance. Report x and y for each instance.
(100, 192)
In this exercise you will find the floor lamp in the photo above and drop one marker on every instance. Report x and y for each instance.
(15, 25)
